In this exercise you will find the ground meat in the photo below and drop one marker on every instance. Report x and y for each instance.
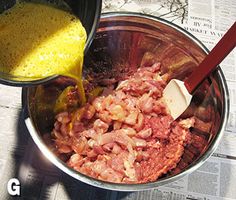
(125, 135)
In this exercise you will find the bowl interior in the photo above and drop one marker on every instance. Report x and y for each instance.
(124, 42)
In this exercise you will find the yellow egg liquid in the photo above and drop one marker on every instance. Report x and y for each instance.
(38, 41)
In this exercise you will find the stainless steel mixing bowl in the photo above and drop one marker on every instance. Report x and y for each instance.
(87, 11)
(124, 41)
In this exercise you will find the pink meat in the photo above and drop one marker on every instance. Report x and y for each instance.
(126, 135)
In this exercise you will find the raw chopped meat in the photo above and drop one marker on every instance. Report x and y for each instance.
(126, 135)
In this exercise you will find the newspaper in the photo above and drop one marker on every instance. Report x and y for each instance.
(215, 179)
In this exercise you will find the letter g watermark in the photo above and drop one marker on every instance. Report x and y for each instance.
(13, 187)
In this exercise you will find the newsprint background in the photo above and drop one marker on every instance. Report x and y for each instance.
(208, 20)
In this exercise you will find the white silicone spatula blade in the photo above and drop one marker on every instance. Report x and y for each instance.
(176, 97)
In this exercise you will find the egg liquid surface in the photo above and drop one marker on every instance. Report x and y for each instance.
(39, 40)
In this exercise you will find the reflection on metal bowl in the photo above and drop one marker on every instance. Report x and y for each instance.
(124, 41)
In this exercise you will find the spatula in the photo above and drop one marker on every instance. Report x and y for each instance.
(178, 94)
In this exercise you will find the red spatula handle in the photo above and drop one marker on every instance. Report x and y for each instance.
(214, 58)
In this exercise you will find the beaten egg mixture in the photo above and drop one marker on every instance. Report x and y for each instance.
(38, 40)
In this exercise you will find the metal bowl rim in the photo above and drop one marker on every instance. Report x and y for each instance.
(133, 187)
